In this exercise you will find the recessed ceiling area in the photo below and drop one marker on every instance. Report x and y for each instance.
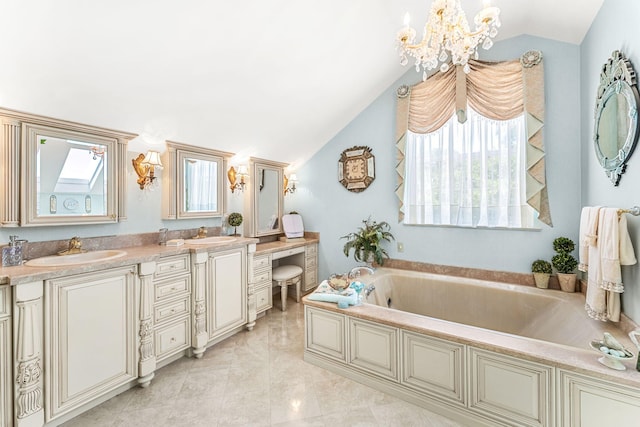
(275, 79)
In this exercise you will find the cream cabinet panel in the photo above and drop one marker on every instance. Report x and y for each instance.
(589, 402)
(373, 348)
(264, 299)
(172, 338)
(227, 291)
(172, 266)
(325, 333)
(310, 267)
(90, 337)
(433, 366)
(493, 380)
(6, 383)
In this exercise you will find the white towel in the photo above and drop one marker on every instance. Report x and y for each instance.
(612, 250)
(588, 234)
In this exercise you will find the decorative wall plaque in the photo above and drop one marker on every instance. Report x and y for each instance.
(356, 168)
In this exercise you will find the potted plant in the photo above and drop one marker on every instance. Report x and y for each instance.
(367, 242)
(235, 220)
(565, 263)
(541, 270)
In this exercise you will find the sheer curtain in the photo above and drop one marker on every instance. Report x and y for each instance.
(202, 188)
(470, 174)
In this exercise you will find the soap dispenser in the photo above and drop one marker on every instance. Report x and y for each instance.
(12, 254)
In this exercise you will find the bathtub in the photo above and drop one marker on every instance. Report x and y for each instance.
(482, 353)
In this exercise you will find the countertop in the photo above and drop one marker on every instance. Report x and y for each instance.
(271, 247)
(134, 255)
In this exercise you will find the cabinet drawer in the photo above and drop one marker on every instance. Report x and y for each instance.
(261, 277)
(171, 310)
(311, 250)
(172, 265)
(172, 338)
(310, 280)
(173, 287)
(310, 262)
(260, 262)
(264, 299)
(5, 299)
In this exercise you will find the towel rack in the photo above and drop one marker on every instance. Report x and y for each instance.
(635, 211)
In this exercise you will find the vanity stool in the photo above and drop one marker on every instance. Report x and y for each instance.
(284, 276)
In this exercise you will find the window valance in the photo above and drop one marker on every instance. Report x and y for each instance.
(497, 90)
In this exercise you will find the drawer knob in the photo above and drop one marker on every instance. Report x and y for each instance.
(173, 339)
(174, 288)
(173, 310)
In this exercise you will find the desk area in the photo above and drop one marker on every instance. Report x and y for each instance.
(303, 253)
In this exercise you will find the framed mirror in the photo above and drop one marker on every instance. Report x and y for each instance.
(616, 116)
(193, 182)
(264, 198)
(70, 177)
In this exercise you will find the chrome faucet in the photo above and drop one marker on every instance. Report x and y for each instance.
(368, 290)
(355, 272)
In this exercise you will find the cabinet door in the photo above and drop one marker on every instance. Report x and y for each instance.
(433, 366)
(90, 337)
(373, 348)
(6, 385)
(589, 402)
(227, 291)
(513, 391)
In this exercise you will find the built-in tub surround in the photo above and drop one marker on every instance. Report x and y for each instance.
(484, 353)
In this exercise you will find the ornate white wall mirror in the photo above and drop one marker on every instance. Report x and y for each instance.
(193, 181)
(616, 116)
(264, 199)
(69, 173)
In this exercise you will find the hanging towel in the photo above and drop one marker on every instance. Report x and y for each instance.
(588, 234)
(612, 250)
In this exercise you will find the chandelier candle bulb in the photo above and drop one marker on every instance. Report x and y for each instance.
(447, 34)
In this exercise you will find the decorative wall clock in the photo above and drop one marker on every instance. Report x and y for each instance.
(356, 168)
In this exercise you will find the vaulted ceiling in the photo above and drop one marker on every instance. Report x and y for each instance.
(268, 78)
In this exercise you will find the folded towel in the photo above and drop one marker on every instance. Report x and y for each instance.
(326, 293)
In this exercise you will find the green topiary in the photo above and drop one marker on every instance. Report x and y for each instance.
(541, 266)
(235, 220)
(563, 245)
(564, 262)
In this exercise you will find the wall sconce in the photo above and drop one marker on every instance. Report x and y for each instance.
(232, 174)
(145, 165)
(293, 179)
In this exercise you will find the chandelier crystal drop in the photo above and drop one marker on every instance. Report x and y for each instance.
(447, 35)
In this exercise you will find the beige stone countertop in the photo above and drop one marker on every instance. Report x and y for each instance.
(270, 247)
(582, 361)
(134, 255)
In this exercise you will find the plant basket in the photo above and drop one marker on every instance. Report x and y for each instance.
(542, 280)
(567, 281)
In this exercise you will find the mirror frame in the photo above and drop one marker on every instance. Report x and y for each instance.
(617, 77)
(252, 208)
(19, 169)
(173, 186)
(29, 214)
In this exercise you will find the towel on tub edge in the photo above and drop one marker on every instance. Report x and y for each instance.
(326, 293)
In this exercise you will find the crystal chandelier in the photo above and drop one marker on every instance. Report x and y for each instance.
(447, 33)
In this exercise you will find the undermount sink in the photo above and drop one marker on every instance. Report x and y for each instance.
(75, 259)
(210, 240)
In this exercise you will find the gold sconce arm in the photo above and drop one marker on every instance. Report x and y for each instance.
(232, 175)
(145, 165)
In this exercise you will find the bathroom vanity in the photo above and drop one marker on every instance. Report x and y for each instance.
(84, 333)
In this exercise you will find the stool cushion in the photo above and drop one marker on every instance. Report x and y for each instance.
(286, 272)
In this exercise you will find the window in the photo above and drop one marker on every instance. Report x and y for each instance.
(469, 175)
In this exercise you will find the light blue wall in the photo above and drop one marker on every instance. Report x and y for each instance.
(615, 27)
(329, 208)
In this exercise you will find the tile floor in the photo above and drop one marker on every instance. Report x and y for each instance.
(256, 378)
